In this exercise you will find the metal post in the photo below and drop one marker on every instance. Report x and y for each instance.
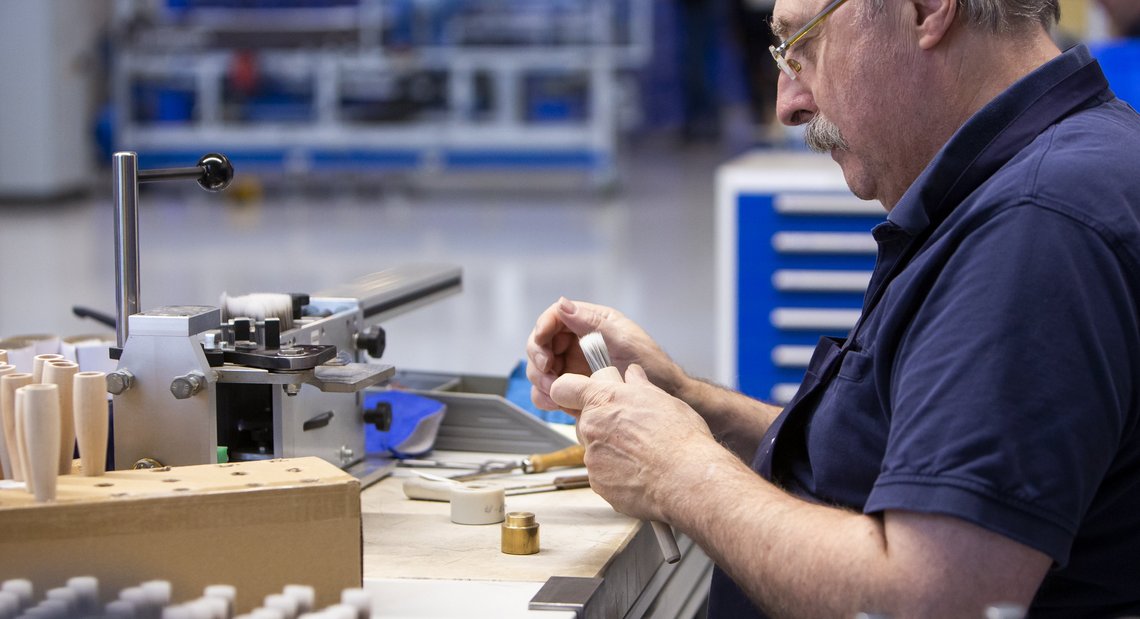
(124, 169)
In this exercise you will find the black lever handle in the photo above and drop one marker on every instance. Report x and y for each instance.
(213, 172)
(86, 312)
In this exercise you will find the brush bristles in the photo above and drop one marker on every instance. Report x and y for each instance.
(594, 347)
(259, 306)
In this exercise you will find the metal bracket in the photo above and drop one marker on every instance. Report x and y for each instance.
(570, 593)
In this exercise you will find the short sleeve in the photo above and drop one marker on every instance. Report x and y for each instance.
(1010, 390)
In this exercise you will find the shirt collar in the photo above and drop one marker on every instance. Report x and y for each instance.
(997, 132)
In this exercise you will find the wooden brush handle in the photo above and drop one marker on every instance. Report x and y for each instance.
(38, 409)
(570, 456)
(89, 405)
(9, 383)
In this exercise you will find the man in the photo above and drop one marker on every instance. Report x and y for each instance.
(975, 439)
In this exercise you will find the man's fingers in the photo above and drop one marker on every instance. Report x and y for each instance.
(635, 375)
(542, 400)
(576, 392)
(580, 318)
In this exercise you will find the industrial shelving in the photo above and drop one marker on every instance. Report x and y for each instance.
(420, 86)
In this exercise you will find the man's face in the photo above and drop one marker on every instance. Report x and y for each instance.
(849, 91)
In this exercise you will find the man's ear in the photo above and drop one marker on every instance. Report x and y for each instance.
(933, 19)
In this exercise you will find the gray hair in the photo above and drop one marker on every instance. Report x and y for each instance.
(1000, 16)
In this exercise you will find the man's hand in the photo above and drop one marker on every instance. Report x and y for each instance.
(552, 348)
(635, 436)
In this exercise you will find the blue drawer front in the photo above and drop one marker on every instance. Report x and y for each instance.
(771, 242)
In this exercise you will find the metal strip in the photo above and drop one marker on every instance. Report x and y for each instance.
(124, 172)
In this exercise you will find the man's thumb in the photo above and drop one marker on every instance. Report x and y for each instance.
(569, 391)
(635, 375)
(578, 317)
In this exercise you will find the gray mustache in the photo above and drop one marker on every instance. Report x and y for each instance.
(822, 136)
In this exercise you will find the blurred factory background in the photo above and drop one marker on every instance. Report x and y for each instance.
(548, 147)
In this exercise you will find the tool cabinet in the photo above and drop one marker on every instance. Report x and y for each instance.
(794, 256)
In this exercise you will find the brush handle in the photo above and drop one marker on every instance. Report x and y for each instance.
(91, 420)
(38, 363)
(9, 383)
(570, 456)
(5, 458)
(39, 414)
(665, 539)
(62, 374)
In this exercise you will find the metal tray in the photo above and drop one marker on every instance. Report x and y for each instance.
(478, 417)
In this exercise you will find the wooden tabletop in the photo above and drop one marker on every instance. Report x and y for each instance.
(579, 532)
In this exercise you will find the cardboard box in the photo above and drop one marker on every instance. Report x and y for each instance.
(255, 525)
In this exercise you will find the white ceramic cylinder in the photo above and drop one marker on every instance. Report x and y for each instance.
(9, 383)
(3, 356)
(38, 410)
(62, 374)
(476, 503)
(38, 363)
(89, 403)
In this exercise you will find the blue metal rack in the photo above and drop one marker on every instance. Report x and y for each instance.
(411, 86)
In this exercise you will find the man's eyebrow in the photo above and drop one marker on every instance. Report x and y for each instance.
(780, 27)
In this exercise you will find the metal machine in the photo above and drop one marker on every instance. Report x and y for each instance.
(187, 383)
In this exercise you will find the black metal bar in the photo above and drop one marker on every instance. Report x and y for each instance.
(170, 174)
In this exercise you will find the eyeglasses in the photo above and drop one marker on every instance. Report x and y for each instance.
(790, 66)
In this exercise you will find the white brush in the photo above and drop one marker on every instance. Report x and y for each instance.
(598, 356)
(259, 306)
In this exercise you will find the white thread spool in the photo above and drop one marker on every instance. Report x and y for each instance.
(360, 599)
(22, 588)
(86, 589)
(226, 593)
(119, 609)
(478, 504)
(282, 603)
(305, 595)
(9, 605)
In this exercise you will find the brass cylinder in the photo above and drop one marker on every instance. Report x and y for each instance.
(520, 534)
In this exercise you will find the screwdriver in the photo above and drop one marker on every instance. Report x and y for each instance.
(535, 463)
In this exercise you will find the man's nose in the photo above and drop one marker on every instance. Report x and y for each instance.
(794, 102)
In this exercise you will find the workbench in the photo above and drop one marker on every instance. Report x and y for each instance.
(593, 561)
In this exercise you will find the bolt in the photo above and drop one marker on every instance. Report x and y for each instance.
(119, 381)
(148, 463)
(187, 385)
(291, 389)
(346, 454)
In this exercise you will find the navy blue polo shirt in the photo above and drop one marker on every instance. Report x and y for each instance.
(994, 373)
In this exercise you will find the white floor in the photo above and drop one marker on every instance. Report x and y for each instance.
(646, 248)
